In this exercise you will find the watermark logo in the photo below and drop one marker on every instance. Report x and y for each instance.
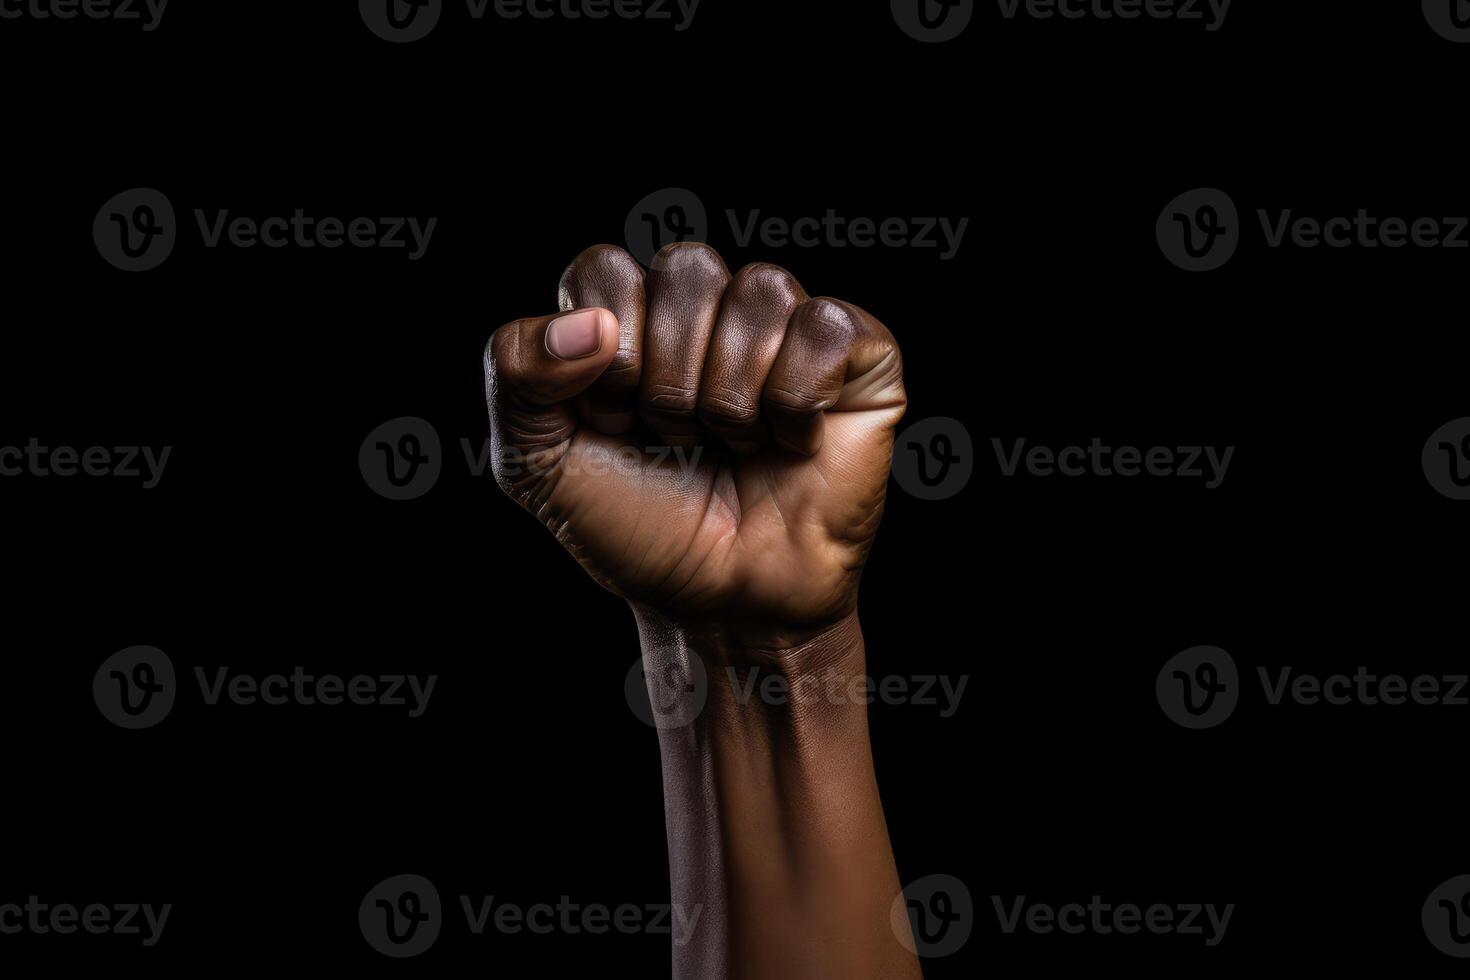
(401, 21)
(933, 916)
(135, 688)
(1446, 917)
(1097, 459)
(1199, 230)
(672, 689)
(676, 214)
(667, 216)
(304, 231)
(1362, 687)
(401, 459)
(833, 230)
(1198, 687)
(1446, 459)
(40, 918)
(934, 458)
(933, 21)
(574, 918)
(148, 13)
(1102, 918)
(405, 691)
(1211, 13)
(832, 687)
(669, 694)
(1362, 230)
(125, 462)
(401, 916)
(1450, 19)
(135, 230)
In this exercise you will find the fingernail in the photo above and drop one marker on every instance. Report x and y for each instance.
(575, 335)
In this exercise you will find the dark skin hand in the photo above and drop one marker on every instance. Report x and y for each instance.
(742, 546)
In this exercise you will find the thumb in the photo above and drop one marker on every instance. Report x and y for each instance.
(533, 368)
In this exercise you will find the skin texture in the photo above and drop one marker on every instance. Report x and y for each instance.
(715, 449)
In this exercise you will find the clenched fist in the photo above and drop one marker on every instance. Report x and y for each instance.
(712, 446)
(716, 450)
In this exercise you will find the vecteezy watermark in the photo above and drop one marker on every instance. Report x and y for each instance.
(676, 214)
(402, 459)
(136, 231)
(1450, 19)
(143, 463)
(1362, 687)
(1098, 459)
(1210, 13)
(1200, 687)
(832, 230)
(148, 13)
(39, 918)
(1446, 917)
(1283, 227)
(664, 217)
(933, 916)
(1101, 918)
(933, 21)
(402, 21)
(1199, 230)
(303, 231)
(670, 690)
(752, 685)
(136, 688)
(403, 915)
(934, 458)
(1446, 459)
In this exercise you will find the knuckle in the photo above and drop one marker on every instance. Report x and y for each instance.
(693, 262)
(604, 256)
(827, 321)
(764, 284)
(786, 401)
(624, 373)
(670, 399)
(598, 272)
(724, 408)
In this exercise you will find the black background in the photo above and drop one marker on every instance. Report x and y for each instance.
(528, 778)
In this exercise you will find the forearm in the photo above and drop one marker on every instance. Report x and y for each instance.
(776, 833)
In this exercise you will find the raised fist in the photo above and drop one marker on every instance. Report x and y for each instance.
(714, 447)
(716, 450)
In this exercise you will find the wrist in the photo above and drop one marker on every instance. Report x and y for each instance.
(743, 674)
(765, 637)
